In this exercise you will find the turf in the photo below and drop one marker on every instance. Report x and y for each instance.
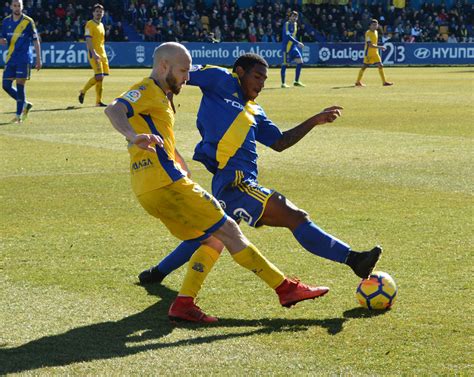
(396, 169)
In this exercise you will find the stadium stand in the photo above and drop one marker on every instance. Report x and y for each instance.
(225, 21)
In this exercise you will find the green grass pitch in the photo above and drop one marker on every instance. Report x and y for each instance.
(396, 169)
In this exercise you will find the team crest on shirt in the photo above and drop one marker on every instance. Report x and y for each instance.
(132, 95)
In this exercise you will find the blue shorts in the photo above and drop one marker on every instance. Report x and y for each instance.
(245, 201)
(291, 55)
(16, 71)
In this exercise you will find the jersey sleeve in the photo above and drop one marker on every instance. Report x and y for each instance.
(87, 31)
(135, 101)
(34, 31)
(207, 77)
(267, 132)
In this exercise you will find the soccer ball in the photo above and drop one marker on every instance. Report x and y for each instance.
(377, 292)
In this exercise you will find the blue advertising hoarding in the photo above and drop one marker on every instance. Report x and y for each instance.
(136, 54)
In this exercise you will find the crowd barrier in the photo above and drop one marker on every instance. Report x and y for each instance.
(136, 54)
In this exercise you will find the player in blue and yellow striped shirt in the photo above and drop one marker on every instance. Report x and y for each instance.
(230, 123)
(291, 49)
(145, 116)
(18, 31)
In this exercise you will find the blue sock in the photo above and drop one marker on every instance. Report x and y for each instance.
(8, 87)
(178, 257)
(318, 242)
(283, 73)
(20, 98)
(298, 71)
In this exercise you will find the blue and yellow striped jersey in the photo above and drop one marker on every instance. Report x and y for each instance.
(229, 127)
(19, 35)
(288, 37)
(151, 112)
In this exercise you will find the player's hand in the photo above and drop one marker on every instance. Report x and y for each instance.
(383, 48)
(3, 41)
(38, 65)
(329, 114)
(147, 142)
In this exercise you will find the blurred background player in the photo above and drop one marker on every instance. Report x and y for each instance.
(371, 54)
(145, 116)
(230, 124)
(291, 52)
(95, 39)
(18, 31)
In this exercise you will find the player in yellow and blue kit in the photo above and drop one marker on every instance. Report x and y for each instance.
(95, 40)
(371, 54)
(290, 49)
(230, 123)
(18, 31)
(145, 116)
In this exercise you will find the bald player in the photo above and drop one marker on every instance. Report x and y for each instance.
(145, 116)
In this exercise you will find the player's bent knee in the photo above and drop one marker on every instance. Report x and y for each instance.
(213, 243)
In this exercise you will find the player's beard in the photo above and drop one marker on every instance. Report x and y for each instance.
(172, 83)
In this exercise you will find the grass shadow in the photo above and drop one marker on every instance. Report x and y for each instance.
(144, 332)
(344, 87)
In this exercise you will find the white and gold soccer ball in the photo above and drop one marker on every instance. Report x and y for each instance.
(378, 292)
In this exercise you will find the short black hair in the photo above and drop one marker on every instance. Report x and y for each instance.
(248, 61)
(100, 6)
(374, 21)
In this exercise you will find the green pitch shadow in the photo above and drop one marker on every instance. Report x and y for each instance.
(144, 332)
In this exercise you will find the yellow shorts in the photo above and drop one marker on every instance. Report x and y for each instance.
(372, 59)
(186, 209)
(100, 69)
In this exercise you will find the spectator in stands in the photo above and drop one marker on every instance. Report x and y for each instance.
(149, 31)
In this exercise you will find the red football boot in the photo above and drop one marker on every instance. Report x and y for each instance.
(184, 309)
(292, 291)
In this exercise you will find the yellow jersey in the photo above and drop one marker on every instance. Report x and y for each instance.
(373, 37)
(95, 31)
(151, 112)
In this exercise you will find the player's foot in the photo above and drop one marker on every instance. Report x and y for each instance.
(150, 276)
(184, 309)
(26, 110)
(100, 104)
(290, 292)
(387, 83)
(363, 263)
(358, 83)
(81, 97)
(17, 119)
(299, 83)
(284, 86)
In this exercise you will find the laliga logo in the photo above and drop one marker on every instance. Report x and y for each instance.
(324, 54)
(140, 53)
(109, 51)
(422, 53)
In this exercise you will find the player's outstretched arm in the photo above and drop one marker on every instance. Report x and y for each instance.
(291, 137)
(117, 114)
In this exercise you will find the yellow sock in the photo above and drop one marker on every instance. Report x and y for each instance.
(198, 267)
(361, 73)
(98, 92)
(252, 260)
(89, 84)
(382, 75)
